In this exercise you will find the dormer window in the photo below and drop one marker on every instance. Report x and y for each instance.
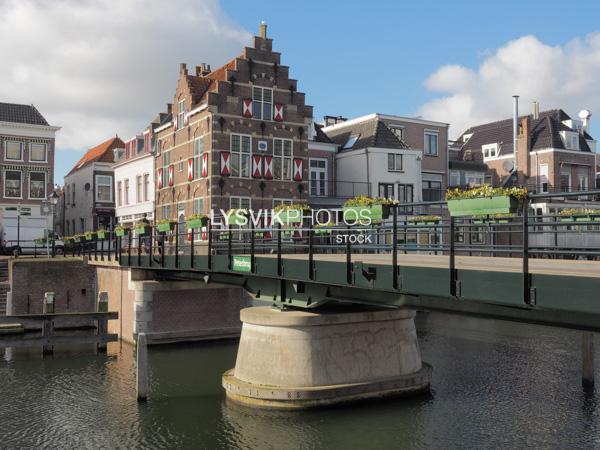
(350, 142)
(570, 139)
(180, 114)
(490, 151)
(466, 137)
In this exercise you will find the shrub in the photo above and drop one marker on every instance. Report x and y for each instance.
(485, 191)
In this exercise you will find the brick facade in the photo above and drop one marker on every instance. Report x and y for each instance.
(213, 110)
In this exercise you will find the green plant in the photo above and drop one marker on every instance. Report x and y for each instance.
(325, 225)
(425, 219)
(485, 191)
(196, 217)
(578, 212)
(292, 206)
(160, 222)
(363, 200)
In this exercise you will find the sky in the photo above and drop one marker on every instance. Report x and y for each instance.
(106, 67)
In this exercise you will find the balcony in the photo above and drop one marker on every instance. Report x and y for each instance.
(333, 193)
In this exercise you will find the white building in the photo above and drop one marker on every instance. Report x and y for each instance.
(370, 152)
(134, 180)
(89, 190)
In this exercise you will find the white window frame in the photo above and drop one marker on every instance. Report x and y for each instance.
(146, 181)
(282, 201)
(198, 152)
(119, 193)
(38, 161)
(583, 176)
(21, 188)
(260, 101)
(398, 131)
(395, 157)
(239, 153)
(44, 197)
(282, 158)
(323, 170)
(166, 161)
(543, 177)
(490, 151)
(111, 188)
(426, 150)
(454, 174)
(139, 186)
(20, 150)
(180, 114)
(239, 200)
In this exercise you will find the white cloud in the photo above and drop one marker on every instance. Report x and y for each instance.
(558, 77)
(102, 67)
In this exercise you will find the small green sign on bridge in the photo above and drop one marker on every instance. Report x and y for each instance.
(242, 263)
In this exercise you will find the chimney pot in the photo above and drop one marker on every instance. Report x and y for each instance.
(262, 30)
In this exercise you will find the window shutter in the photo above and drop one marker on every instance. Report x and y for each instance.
(171, 173)
(190, 167)
(247, 107)
(256, 166)
(297, 169)
(278, 112)
(268, 168)
(205, 165)
(160, 178)
(225, 164)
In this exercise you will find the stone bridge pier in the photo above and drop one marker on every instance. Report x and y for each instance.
(292, 359)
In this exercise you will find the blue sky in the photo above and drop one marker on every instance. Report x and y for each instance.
(356, 57)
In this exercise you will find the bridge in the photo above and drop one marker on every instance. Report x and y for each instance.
(532, 268)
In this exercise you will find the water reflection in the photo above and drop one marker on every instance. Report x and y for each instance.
(495, 384)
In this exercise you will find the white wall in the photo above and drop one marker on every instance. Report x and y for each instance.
(130, 169)
(353, 166)
(84, 200)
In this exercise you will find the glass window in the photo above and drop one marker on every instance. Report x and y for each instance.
(431, 144)
(138, 188)
(37, 152)
(399, 132)
(126, 193)
(198, 151)
(13, 184)
(386, 190)
(281, 201)
(239, 202)
(13, 150)
(104, 188)
(198, 206)
(165, 169)
(146, 186)
(432, 191)
(405, 193)
(350, 142)
(37, 185)
(394, 162)
(454, 178)
(565, 179)
(282, 155)
(240, 155)
(166, 212)
(180, 114)
(262, 103)
(119, 193)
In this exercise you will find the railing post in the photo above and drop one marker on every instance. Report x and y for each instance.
(348, 258)
(525, 254)
(279, 262)
(177, 244)
(311, 256)
(192, 248)
(395, 246)
(102, 330)
(162, 251)
(139, 249)
(129, 239)
(252, 249)
(109, 250)
(102, 250)
(95, 248)
(452, 260)
(229, 248)
(150, 251)
(209, 231)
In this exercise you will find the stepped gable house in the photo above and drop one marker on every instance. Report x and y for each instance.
(234, 137)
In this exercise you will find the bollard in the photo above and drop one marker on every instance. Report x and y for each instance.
(142, 367)
(48, 305)
(48, 325)
(102, 327)
(587, 359)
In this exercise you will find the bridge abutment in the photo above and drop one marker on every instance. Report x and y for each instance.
(295, 359)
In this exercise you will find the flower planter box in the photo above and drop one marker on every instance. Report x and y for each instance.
(323, 230)
(121, 231)
(90, 236)
(596, 218)
(223, 236)
(165, 226)
(288, 216)
(483, 206)
(234, 219)
(376, 213)
(197, 223)
(142, 230)
(101, 234)
(567, 219)
(582, 219)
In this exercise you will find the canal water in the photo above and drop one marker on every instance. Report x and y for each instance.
(495, 385)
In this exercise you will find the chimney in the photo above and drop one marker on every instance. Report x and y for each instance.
(202, 70)
(262, 30)
(183, 67)
(536, 110)
(169, 108)
(515, 127)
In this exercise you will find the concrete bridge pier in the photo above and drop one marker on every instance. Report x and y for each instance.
(295, 359)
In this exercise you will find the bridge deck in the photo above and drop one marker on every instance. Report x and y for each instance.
(495, 264)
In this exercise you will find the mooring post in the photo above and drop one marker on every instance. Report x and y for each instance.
(48, 324)
(102, 327)
(587, 359)
(142, 367)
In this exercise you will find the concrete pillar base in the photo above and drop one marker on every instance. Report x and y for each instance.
(300, 359)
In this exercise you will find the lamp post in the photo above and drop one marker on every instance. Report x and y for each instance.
(53, 202)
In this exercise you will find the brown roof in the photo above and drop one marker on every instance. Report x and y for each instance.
(543, 133)
(100, 153)
(368, 133)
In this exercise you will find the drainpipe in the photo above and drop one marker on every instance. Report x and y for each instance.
(368, 172)
(515, 129)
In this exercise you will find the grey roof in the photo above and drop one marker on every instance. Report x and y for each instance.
(544, 132)
(11, 112)
(370, 133)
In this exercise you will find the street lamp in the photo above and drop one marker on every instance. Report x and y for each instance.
(53, 202)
